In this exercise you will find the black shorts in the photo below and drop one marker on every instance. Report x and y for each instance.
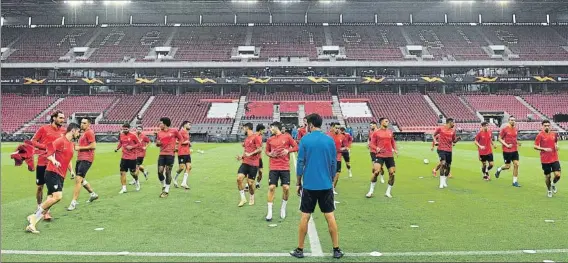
(373, 157)
(126, 165)
(40, 175)
(166, 160)
(284, 177)
(53, 182)
(82, 167)
(346, 156)
(183, 159)
(511, 156)
(338, 170)
(548, 168)
(324, 198)
(385, 161)
(445, 156)
(260, 165)
(139, 161)
(486, 158)
(248, 170)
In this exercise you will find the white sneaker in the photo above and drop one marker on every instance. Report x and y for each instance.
(122, 191)
(350, 174)
(93, 197)
(369, 195)
(549, 193)
(268, 217)
(388, 195)
(72, 206)
(554, 189)
(441, 186)
(445, 184)
(137, 185)
(132, 182)
(185, 186)
(176, 185)
(334, 192)
(382, 179)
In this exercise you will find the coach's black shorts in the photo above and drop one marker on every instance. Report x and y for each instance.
(338, 170)
(260, 165)
(165, 160)
(386, 161)
(548, 168)
(40, 175)
(510, 156)
(274, 175)
(82, 167)
(445, 156)
(183, 159)
(53, 182)
(373, 157)
(486, 158)
(248, 170)
(324, 198)
(126, 165)
(346, 156)
(139, 161)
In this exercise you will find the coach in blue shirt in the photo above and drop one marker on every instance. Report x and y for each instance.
(317, 167)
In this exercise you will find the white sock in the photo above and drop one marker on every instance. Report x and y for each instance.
(515, 179)
(499, 169)
(251, 197)
(372, 189)
(39, 212)
(93, 194)
(389, 189)
(442, 179)
(269, 214)
(73, 201)
(185, 176)
(163, 183)
(284, 203)
(242, 192)
(124, 187)
(167, 190)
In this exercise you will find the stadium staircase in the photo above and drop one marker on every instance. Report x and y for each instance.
(540, 115)
(336, 109)
(105, 112)
(239, 115)
(142, 111)
(37, 118)
(433, 106)
(471, 109)
(276, 113)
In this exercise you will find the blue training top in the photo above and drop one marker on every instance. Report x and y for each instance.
(317, 161)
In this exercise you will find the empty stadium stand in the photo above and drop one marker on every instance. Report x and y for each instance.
(548, 105)
(453, 107)
(125, 109)
(369, 42)
(83, 104)
(291, 41)
(500, 103)
(19, 110)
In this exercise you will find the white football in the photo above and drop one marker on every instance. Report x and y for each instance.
(426, 161)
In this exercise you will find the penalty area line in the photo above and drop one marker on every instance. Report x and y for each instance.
(385, 254)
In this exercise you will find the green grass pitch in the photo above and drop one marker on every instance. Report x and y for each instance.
(483, 221)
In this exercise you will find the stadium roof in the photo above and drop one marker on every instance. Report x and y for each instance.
(164, 7)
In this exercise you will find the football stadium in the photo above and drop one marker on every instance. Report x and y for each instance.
(284, 130)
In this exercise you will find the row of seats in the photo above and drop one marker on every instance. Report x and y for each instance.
(381, 43)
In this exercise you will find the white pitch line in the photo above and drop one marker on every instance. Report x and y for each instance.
(219, 254)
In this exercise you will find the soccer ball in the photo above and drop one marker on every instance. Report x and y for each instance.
(426, 161)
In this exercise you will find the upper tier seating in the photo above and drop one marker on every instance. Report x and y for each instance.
(19, 110)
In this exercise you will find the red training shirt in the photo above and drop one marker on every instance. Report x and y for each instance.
(251, 143)
(45, 135)
(446, 139)
(371, 131)
(87, 138)
(168, 140)
(144, 141)
(382, 143)
(509, 135)
(63, 150)
(184, 149)
(128, 139)
(547, 140)
(484, 138)
(348, 140)
(277, 144)
(301, 133)
(338, 140)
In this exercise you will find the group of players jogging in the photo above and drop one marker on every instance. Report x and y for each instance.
(55, 146)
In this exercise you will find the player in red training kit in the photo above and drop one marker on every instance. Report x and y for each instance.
(250, 161)
(508, 138)
(59, 155)
(373, 128)
(278, 148)
(259, 132)
(129, 144)
(302, 131)
(144, 141)
(184, 155)
(485, 146)
(166, 139)
(383, 144)
(338, 139)
(44, 136)
(445, 138)
(348, 140)
(85, 158)
(547, 143)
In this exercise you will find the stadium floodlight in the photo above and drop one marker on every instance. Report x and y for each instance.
(459, 2)
(286, 1)
(245, 1)
(116, 2)
(331, 1)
